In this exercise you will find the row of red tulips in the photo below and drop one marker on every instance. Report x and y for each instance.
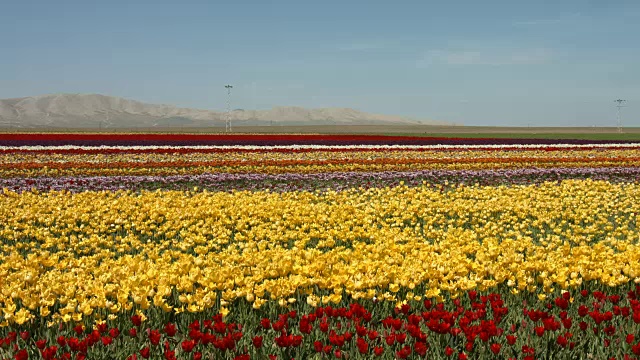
(193, 150)
(579, 325)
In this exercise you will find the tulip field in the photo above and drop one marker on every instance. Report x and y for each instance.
(199, 246)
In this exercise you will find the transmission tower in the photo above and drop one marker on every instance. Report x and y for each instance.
(620, 104)
(227, 123)
(19, 119)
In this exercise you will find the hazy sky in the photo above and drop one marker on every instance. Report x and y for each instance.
(509, 62)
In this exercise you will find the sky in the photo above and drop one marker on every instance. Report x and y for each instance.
(490, 63)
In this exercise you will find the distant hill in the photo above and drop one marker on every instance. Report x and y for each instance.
(100, 111)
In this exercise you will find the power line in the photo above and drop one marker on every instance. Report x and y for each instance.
(620, 105)
(227, 123)
(19, 118)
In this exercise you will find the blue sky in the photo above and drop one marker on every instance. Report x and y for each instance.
(519, 63)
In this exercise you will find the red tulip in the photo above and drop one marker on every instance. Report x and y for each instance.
(421, 348)
(41, 344)
(170, 329)
(22, 355)
(405, 308)
(378, 350)
(170, 355)
(154, 337)
(257, 341)
(220, 327)
(145, 352)
(469, 346)
(562, 303)
(404, 352)
(562, 341)
(49, 353)
(106, 340)
(609, 330)
(390, 339)
(187, 345)
(61, 341)
(528, 350)
(363, 346)
(629, 339)
(449, 351)
(136, 320)
(195, 325)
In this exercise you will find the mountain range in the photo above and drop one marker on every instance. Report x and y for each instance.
(87, 111)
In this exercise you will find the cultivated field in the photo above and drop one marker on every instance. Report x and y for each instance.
(214, 246)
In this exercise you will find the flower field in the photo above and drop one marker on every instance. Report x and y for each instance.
(161, 246)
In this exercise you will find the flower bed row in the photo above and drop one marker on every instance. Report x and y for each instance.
(68, 255)
(284, 163)
(163, 149)
(32, 159)
(336, 181)
(186, 169)
(572, 324)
